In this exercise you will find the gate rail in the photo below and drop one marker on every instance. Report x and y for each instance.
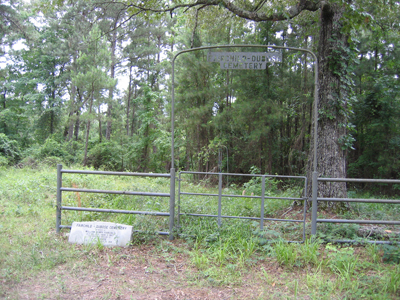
(219, 216)
(316, 199)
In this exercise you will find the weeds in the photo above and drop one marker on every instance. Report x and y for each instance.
(391, 253)
(200, 260)
(286, 253)
(309, 252)
(236, 254)
(392, 280)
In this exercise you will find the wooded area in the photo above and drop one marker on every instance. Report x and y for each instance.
(60, 99)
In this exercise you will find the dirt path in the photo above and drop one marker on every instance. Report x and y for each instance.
(139, 273)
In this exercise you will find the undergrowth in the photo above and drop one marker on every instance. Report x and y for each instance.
(215, 255)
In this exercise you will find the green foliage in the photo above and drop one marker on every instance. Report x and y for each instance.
(297, 255)
(391, 254)
(60, 84)
(52, 148)
(329, 231)
(3, 161)
(214, 256)
(107, 156)
(377, 136)
(9, 150)
(254, 186)
(342, 261)
(286, 253)
(392, 281)
(151, 149)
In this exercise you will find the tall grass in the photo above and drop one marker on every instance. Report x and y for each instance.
(220, 255)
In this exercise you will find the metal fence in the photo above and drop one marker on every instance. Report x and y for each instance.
(315, 200)
(263, 198)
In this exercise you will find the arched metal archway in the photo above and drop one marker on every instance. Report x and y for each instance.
(314, 177)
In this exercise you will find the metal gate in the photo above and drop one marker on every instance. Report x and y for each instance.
(61, 189)
(261, 218)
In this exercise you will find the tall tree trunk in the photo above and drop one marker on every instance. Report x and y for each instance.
(188, 155)
(112, 75)
(128, 104)
(52, 116)
(133, 111)
(100, 127)
(4, 98)
(88, 129)
(52, 121)
(70, 126)
(331, 160)
(77, 125)
(4, 123)
(72, 108)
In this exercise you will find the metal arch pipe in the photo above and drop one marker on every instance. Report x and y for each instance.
(314, 195)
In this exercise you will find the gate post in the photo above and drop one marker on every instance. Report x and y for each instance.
(58, 205)
(262, 203)
(172, 205)
(219, 199)
(314, 203)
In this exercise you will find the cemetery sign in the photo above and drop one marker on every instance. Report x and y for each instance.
(244, 60)
(106, 233)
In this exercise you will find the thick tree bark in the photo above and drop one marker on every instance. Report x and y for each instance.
(331, 160)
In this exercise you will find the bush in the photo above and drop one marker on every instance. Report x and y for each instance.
(75, 150)
(3, 161)
(106, 155)
(52, 148)
(9, 149)
(52, 161)
(254, 184)
(29, 162)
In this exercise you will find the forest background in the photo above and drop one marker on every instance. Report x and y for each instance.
(61, 102)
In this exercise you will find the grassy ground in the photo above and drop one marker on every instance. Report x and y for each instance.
(236, 261)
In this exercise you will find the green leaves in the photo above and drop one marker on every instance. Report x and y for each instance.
(92, 65)
(376, 119)
(9, 149)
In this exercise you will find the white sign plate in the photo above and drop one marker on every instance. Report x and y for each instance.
(108, 234)
(244, 60)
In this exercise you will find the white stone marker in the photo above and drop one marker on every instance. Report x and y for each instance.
(107, 233)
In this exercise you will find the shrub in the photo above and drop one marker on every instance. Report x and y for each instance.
(254, 184)
(106, 155)
(9, 149)
(52, 148)
(3, 161)
(29, 162)
(52, 161)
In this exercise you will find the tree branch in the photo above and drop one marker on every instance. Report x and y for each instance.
(254, 15)
(194, 28)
